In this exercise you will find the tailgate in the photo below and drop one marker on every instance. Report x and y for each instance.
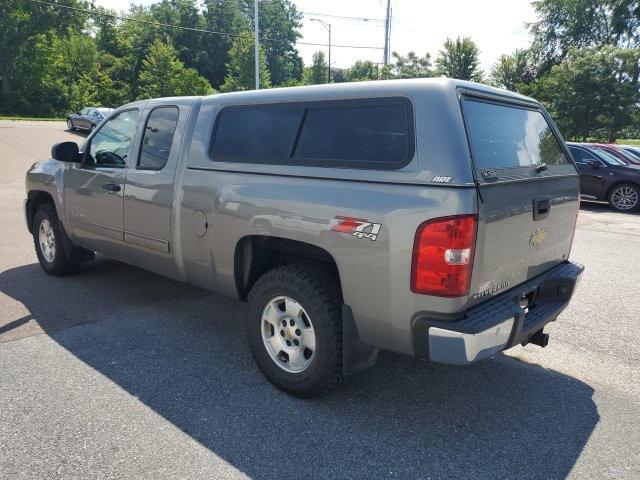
(528, 195)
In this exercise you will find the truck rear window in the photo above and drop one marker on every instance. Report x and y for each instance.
(363, 133)
(510, 137)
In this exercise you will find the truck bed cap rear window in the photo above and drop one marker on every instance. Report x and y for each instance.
(508, 141)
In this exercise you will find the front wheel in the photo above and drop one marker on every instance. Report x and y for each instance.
(70, 126)
(625, 197)
(295, 329)
(47, 237)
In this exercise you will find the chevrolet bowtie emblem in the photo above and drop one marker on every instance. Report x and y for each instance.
(537, 237)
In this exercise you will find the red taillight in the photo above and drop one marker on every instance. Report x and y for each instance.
(443, 256)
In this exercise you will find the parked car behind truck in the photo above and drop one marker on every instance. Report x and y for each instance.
(432, 218)
(88, 118)
(604, 177)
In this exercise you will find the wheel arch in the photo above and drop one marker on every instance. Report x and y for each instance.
(617, 183)
(36, 198)
(257, 254)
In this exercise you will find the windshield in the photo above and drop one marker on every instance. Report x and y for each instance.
(104, 111)
(608, 158)
(634, 152)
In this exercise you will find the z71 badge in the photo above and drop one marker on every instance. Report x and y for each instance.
(357, 227)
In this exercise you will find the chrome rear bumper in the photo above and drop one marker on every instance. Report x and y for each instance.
(500, 322)
(447, 346)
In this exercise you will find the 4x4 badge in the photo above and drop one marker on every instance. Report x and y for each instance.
(357, 227)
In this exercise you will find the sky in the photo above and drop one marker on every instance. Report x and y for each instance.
(497, 26)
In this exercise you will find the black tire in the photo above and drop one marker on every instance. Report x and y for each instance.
(91, 128)
(59, 264)
(70, 125)
(622, 197)
(318, 294)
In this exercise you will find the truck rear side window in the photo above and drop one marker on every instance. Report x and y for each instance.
(158, 138)
(362, 133)
(510, 137)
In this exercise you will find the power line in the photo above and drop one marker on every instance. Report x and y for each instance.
(200, 30)
(236, 2)
(362, 19)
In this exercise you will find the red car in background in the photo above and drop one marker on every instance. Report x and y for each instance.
(632, 150)
(617, 152)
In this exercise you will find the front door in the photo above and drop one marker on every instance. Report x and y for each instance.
(94, 189)
(592, 173)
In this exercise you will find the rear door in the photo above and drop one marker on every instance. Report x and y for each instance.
(592, 172)
(528, 190)
(149, 189)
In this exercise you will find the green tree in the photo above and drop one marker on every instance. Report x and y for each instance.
(510, 71)
(163, 75)
(227, 18)
(241, 66)
(459, 59)
(317, 73)
(563, 24)
(593, 92)
(76, 68)
(361, 70)
(21, 24)
(40, 90)
(409, 66)
(112, 86)
(280, 24)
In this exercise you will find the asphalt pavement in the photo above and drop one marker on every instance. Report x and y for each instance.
(119, 373)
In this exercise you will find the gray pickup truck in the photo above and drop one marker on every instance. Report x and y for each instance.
(432, 218)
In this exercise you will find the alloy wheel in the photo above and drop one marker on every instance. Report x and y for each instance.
(288, 334)
(47, 241)
(624, 197)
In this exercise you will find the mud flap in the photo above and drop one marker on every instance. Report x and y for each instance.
(356, 356)
(74, 253)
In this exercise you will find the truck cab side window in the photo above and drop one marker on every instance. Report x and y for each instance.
(158, 137)
(110, 145)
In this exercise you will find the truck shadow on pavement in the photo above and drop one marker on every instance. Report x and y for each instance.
(182, 352)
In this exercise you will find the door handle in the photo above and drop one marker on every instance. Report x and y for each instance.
(541, 207)
(111, 187)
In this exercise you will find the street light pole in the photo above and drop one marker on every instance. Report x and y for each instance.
(328, 27)
(257, 45)
(387, 27)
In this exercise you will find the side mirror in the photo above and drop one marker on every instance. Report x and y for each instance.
(66, 152)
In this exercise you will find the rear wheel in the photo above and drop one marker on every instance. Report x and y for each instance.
(47, 237)
(70, 126)
(625, 197)
(295, 329)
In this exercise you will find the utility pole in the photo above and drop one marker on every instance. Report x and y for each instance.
(257, 44)
(329, 62)
(328, 27)
(387, 26)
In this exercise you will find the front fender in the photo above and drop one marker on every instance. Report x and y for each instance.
(47, 177)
